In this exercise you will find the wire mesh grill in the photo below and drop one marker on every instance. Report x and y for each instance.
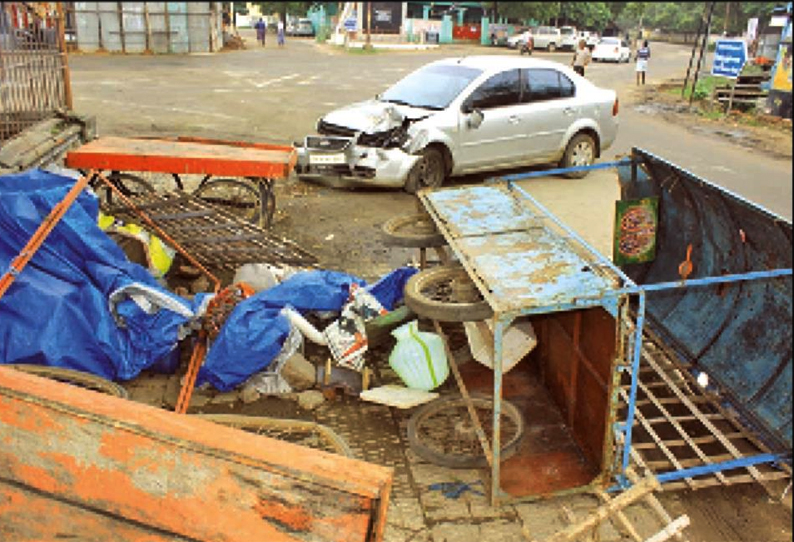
(31, 67)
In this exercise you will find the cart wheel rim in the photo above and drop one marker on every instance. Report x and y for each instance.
(443, 433)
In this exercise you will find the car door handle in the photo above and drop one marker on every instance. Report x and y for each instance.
(569, 111)
(513, 119)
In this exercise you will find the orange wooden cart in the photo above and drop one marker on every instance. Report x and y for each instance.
(239, 176)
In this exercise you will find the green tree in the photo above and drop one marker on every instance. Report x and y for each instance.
(543, 12)
(282, 8)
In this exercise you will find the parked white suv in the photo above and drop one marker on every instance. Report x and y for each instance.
(568, 38)
(547, 37)
(463, 115)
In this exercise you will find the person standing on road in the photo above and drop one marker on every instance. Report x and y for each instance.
(280, 30)
(260, 31)
(643, 55)
(581, 58)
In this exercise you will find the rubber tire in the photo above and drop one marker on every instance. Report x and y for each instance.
(414, 182)
(330, 436)
(391, 228)
(201, 193)
(552, 47)
(76, 378)
(462, 462)
(568, 156)
(130, 186)
(437, 310)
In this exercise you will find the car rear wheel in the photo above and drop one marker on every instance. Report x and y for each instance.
(581, 151)
(428, 172)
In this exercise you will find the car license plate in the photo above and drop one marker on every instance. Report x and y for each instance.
(334, 158)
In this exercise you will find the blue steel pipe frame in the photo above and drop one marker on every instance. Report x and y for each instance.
(607, 298)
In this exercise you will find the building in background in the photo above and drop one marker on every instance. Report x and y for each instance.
(147, 27)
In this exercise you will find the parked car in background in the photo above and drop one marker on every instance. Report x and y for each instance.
(521, 41)
(568, 38)
(590, 38)
(547, 37)
(300, 27)
(611, 50)
(463, 115)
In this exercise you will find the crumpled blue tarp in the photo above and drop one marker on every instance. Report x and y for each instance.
(56, 312)
(255, 331)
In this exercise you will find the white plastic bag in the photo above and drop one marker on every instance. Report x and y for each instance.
(419, 357)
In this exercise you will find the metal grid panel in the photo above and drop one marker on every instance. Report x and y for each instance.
(32, 84)
(680, 425)
(215, 237)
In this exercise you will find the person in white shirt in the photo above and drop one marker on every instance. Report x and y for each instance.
(280, 29)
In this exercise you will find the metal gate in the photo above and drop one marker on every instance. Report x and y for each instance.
(34, 80)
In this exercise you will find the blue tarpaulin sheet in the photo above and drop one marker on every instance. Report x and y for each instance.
(56, 312)
(255, 331)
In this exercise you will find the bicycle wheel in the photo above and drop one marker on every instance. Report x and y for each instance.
(238, 197)
(446, 294)
(76, 378)
(128, 184)
(413, 231)
(299, 432)
(443, 433)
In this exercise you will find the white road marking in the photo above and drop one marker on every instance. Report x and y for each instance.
(192, 112)
(276, 80)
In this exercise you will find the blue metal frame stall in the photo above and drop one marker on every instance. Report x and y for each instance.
(591, 315)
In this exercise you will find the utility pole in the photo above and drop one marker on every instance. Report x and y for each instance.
(727, 16)
(700, 56)
(368, 44)
(694, 50)
(67, 80)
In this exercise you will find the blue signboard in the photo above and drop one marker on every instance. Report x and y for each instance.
(350, 24)
(729, 58)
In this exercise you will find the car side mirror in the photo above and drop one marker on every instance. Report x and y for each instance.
(475, 119)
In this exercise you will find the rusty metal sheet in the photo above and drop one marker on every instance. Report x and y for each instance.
(532, 268)
(178, 476)
(517, 261)
(477, 210)
(739, 333)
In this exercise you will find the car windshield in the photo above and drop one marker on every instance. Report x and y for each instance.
(609, 41)
(431, 87)
(566, 30)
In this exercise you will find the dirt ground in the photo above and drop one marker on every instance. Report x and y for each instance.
(764, 133)
(343, 228)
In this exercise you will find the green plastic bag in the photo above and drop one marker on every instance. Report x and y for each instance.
(419, 357)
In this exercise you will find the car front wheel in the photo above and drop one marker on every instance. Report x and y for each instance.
(428, 172)
(581, 151)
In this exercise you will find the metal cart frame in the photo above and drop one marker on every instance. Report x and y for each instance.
(461, 214)
(260, 164)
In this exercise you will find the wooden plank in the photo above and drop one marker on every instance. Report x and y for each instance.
(183, 157)
(638, 416)
(671, 529)
(686, 401)
(180, 475)
(636, 492)
(682, 432)
(681, 442)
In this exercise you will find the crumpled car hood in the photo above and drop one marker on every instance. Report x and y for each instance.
(373, 116)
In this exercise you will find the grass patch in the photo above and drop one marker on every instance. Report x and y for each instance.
(359, 50)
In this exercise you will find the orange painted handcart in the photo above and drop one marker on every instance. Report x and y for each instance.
(237, 176)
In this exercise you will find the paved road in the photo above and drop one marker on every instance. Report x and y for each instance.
(277, 95)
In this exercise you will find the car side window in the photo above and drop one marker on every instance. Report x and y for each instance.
(539, 85)
(499, 90)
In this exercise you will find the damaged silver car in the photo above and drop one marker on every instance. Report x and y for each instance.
(459, 116)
